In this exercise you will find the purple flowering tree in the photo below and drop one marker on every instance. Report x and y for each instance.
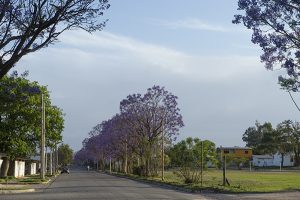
(150, 115)
(276, 29)
(29, 25)
(132, 139)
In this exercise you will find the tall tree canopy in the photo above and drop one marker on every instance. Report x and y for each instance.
(65, 154)
(260, 138)
(276, 29)
(29, 25)
(20, 118)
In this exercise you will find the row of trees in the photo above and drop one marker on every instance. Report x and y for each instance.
(283, 139)
(133, 139)
(20, 118)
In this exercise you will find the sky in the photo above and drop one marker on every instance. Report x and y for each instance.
(189, 47)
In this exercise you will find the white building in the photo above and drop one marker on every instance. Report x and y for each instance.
(19, 170)
(1, 160)
(273, 160)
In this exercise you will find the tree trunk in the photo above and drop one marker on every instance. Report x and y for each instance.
(126, 160)
(4, 167)
(282, 158)
(297, 156)
(148, 167)
(11, 169)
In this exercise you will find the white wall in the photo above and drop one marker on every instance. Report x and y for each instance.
(286, 160)
(275, 160)
(19, 169)
(262, 162)
(1, 162)
(33, 168)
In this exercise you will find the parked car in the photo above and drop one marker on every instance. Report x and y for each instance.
(65, 170)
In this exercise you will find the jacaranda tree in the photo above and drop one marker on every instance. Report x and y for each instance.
(132, 139)
(276, 29)
(29, 25)
(153, 114)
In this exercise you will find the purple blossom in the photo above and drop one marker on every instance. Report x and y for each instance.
(276, 29)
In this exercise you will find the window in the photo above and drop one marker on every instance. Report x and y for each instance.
(292, 159)
(226, 151)
(246, 152)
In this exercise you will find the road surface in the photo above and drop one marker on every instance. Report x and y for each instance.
(91, 185)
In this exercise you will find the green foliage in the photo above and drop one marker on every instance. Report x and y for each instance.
(54, 125)
(187, 155)
(65, 154)
(20, 116)
(266, 140)
(260, 138)
(239, 162)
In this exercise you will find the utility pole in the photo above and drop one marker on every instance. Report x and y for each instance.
(42, 156)
(250, 165)
(51, 164)
(162, 154)
(56, 158)
(46, 160)
(201, 163)
(224, 170)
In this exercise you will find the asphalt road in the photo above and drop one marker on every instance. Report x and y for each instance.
(91, 185)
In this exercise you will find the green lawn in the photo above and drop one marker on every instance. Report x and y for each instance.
(240, 181)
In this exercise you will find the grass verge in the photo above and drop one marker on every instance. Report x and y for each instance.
(240, 181)
(29, 179)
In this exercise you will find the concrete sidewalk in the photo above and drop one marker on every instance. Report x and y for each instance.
(15, 188)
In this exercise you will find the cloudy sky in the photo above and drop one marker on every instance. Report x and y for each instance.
(190, 47)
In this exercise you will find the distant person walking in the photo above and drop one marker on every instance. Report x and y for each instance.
(88, 168)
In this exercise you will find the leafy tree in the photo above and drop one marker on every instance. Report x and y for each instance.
(29, 25)
(259, 138)
(295, 139)
(187, 155)
(275, 25)
(253, 137)
(238, 161)
(283, 138)
(266, 140)
(20, 118)
(65, 154)
(54, 125)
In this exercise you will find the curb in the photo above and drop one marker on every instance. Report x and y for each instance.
(16, 191)
(43, 186)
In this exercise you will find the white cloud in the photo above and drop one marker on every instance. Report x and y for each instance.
(112, 47)
(89, 75)
(190, 23)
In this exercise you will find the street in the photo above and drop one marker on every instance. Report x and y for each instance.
(91, 185)
(81, 184)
